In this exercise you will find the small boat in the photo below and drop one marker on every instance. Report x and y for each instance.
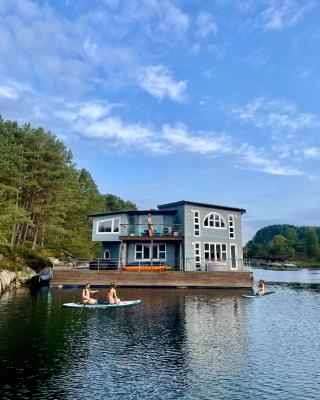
(145, 268)
(249, 296)
(122, 304)
(41, 279)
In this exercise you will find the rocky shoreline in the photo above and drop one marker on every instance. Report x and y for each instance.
(12, 279)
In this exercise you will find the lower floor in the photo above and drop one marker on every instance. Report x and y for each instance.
(215, 257)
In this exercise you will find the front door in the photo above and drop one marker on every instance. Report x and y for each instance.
(233, 251)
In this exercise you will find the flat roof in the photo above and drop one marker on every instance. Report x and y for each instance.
(177, 203)
(138, 212)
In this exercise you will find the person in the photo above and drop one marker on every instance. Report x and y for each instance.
(86, 295)
(112, 294)
(150, 225)
(261, 287)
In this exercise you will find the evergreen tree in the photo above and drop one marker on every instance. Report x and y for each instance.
(312, 247)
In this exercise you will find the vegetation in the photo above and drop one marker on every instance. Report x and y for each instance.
(44, 200)
(286, 242)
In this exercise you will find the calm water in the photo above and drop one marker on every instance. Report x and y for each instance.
(180, 344)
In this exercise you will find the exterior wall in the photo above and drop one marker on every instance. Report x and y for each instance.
(113, 247)
(209, 234)
(108, 237)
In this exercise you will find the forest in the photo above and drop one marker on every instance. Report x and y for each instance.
(286, 242)
(44, 199)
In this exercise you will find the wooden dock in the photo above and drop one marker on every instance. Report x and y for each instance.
(173, 279)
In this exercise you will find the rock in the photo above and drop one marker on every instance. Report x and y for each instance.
(14, 279)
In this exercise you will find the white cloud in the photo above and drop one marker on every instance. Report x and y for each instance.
(284, 13)
(256, 160)
(205, 25)
(312, 152)
(275, 115)
(201, 142)
(157, 81)
(9, 92)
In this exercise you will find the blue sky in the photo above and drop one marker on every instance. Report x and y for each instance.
(161, 100)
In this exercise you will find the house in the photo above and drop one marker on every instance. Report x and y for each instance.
(185, 235)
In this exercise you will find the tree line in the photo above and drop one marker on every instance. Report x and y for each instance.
(285, 241)
(44, 199)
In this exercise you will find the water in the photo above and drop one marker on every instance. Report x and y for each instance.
(179, 344)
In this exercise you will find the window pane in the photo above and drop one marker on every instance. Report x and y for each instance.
(116, 225)
(155, 251)
(222, 224)
(224, 247)
(162, 247)
(105, 226)
(146, 252)
(206, 246)
(138, 256)
(139, 247)
(217, 224)
(162, 255)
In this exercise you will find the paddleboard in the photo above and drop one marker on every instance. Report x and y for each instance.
(122, 304)
(249, 296)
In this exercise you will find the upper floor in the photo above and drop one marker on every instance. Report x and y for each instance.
(182, 220)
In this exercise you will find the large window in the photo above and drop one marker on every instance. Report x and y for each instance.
(197, 255)
(143, 252)
(216, 252)
(108, 225)
(215, 221)
(196, 222)
(231, 227)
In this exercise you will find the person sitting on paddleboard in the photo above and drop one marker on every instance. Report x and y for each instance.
(86, 299)
(112, 294)
(261, 286)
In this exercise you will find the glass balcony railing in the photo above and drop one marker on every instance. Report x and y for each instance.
(155, 230)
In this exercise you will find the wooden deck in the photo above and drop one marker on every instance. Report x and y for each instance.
(188, 279)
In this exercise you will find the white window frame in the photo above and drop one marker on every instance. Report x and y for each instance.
(150, 251)
(112, 226)
(236, 256)
(197, 255)
(196, 223)
(220, 219)
(104, 254)
(215, 244)
(231, 225)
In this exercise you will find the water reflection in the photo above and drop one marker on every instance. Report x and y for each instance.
(186, 344)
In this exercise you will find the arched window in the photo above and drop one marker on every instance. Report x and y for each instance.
(107, 255)
(214, 220)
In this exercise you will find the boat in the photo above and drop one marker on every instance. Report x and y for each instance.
(41, 279)
(122, 304)
(249, 296)
(145, 268)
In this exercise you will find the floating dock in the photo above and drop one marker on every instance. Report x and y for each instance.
(154, 279)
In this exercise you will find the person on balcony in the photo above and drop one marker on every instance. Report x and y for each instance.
(150, 224)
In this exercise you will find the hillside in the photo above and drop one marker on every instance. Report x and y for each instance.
(286, 242)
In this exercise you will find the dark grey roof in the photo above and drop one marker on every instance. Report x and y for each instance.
(138, 212)
(181, 202)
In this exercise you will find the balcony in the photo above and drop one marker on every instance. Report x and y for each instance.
(166, 232)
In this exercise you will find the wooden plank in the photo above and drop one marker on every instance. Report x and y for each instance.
(221, 279)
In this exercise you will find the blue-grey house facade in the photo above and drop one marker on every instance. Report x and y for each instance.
(185, 235)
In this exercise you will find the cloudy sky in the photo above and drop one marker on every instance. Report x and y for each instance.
(214, 101)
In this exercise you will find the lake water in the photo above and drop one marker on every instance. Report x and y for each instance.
(179, 344)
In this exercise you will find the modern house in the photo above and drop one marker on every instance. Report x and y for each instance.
(184, 235)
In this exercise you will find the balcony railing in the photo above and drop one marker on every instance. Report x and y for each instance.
(186, 264)
(156, 230)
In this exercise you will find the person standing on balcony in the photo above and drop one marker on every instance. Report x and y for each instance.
(150, 225)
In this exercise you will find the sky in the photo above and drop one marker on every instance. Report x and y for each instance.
(215, 101)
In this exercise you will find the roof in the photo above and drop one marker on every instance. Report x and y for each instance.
(181, 202)
(137, 212)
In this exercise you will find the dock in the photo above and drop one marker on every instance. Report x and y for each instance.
(154, 279)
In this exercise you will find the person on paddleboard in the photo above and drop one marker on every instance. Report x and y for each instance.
(112, 294)
(86, 295)
(261, 287)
